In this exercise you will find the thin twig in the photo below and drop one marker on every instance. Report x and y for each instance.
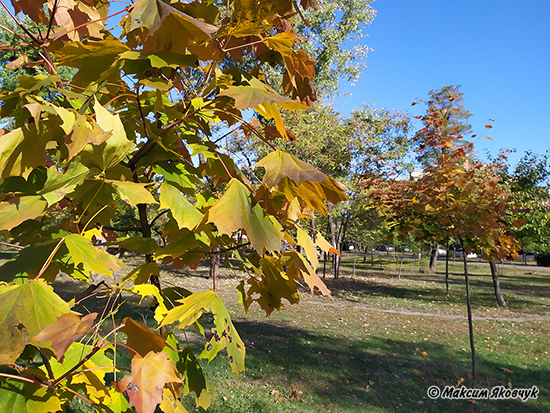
(6, 244)
(54, 9)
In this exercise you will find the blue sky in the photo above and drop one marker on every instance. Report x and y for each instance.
(498, 51)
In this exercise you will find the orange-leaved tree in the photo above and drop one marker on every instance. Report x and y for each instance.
(457, 196)
(145, 103)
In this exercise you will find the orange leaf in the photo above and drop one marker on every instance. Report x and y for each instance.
(63, 332)
(149, 375)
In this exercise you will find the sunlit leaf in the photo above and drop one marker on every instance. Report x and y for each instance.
(24, 312)
(65, 330)
(144, 385)
(185, 214)
(224, 334)
(234, 211)
(92, 258)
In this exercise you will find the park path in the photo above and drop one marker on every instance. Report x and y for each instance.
(404, 311)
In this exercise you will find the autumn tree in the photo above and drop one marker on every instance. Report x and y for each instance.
(129, 126)
(448, 102)
(457, 196)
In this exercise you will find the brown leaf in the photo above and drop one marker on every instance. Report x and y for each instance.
(65, 331)
(141, 338)
(17, 62)
(144, 385)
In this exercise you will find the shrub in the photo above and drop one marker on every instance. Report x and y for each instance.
(542, 256)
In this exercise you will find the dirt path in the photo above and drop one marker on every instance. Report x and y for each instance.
(405, 311)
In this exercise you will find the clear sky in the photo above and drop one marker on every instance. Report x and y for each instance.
(497, 50)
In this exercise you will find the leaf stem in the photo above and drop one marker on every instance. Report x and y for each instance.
(49, 260)
(13, 376)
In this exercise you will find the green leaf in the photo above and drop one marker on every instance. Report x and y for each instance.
(133, 193)
(117, 146)
(224, 333)
(91, 374)
(234, 211)
(24, 312)
(95, 59)
(258, 93)
(279, 165)
(20, 151)
(31, 259)
(17, 210)
(18, 396)
(185, 214)
(60, 183)
(92, 258)
(177, 175)
(139, 244)
(141, 274)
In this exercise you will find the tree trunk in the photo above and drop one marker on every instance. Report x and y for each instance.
(496, 284)
(214, 266)
(470, 323)
(401, 265)
(335, 242)
(433, 258)
(447, 271)
(365, 254)
(325, 265)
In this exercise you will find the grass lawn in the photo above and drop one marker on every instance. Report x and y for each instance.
(379, 344)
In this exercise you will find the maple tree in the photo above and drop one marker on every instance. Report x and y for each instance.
(128, 127)
(456, 196)
(340, 147)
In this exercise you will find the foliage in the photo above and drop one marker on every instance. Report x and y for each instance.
(456, 196)
(129, 127)
(448, 103)
(542, 255)
(528, 184)
(330, 34)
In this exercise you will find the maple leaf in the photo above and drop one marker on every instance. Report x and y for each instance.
(24, 312)
(185, 214)
(262, 230)
(141, 338)
(63, 332)
(224, 334)
(279, 165)
(92, 258)
(149, 375)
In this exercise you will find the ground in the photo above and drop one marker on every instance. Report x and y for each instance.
(378, 344)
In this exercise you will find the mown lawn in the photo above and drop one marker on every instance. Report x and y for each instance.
(379, 344)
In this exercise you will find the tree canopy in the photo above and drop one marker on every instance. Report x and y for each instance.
(136, 124)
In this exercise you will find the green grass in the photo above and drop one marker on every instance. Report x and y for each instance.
(346, 355)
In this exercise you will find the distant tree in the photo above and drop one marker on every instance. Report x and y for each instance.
(448, 103)
(529, 185)
(457, 196)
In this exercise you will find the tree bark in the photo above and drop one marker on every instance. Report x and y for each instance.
(447, 271)
(433, 258)
(470, 323)
(496, 284)
(335, 242)
(401, 264)
(215, 266)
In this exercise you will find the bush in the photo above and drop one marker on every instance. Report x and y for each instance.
(542, 256)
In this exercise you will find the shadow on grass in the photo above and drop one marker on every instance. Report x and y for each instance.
(377, 374)
(482, 293)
